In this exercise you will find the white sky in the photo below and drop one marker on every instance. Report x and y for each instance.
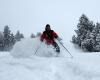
(31, 16)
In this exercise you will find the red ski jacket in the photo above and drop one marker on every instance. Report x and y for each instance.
(49, 36)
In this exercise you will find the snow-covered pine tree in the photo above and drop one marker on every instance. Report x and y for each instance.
(97, 39)
(18, 36)
(1, 41)
(88, 45)
(6, 38)
(74, 39)
(84, 36)
(12, 40)
(22, 36)
(83, 27)
(32, 35)
(38, 34)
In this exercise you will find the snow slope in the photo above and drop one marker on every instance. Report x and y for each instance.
(21, 64)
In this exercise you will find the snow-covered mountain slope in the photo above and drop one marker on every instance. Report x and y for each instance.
(22, 64)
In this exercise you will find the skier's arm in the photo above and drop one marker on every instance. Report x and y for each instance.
(55, 35)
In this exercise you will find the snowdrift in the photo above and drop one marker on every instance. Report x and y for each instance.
(28, 48)
(34, 47)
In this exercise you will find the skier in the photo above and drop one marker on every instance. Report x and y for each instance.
(49, 36)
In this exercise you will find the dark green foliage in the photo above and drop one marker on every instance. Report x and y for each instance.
(87, 35)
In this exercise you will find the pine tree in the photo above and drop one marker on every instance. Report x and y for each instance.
(32, 35)
(82, 29)
(1, 41)
(18, 36)
(74, 39)
(9, 39)
(6, 38)
(22, 36)
(12, 40)
(85, 37)
(38, 34)
(88, 45)
(97, 36)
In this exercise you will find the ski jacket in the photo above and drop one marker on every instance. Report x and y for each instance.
(49, 36)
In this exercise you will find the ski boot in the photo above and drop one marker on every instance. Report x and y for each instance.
(57, 49)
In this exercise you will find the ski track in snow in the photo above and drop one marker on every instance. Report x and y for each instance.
(21, 64)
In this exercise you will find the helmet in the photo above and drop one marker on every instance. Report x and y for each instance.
(47, 27)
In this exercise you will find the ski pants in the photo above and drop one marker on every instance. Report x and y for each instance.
(56, 46)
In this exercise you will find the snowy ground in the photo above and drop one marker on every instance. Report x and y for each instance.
(21, 64)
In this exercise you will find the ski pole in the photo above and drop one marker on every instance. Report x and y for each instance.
(37, 49)
(66, 49)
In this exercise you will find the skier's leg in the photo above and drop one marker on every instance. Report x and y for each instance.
(56, 46)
